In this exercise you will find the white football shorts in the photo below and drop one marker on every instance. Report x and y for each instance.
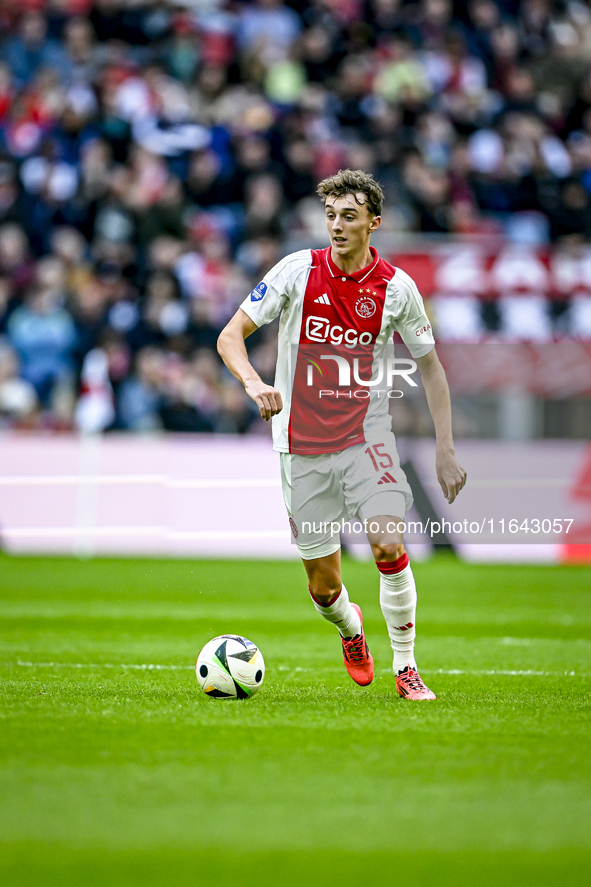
(358, 483)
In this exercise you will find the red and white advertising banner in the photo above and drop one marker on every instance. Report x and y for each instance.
(493, 270)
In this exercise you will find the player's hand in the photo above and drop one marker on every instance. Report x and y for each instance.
(450, 474)
(267, 398)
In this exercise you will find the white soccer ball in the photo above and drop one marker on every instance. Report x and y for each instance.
(230, 667)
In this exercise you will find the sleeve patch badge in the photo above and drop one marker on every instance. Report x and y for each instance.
(258, 292)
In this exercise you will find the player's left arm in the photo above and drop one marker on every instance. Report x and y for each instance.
(450, 474)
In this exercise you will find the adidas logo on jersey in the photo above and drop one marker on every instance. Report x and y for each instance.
(387, 479)
(323, 299)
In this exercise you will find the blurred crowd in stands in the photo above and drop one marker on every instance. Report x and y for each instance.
(156, 158)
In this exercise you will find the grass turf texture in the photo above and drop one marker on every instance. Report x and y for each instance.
(114, 774)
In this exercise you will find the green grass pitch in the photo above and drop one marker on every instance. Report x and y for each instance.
(115, 770)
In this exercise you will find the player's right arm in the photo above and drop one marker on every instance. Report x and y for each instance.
(232, 350)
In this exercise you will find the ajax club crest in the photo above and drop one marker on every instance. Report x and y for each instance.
(365, 305)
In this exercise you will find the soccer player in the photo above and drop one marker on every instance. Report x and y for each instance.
(339, 308)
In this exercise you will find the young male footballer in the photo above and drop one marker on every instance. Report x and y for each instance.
(339, 308)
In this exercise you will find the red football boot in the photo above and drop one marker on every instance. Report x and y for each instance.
(410, 685)
(357, 658)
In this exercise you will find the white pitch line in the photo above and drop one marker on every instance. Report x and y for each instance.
(507, 672)
(151, 666)
(140, 666)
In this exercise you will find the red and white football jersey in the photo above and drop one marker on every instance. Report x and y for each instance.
(335, 344)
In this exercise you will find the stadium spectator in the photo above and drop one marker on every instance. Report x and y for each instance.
(42, 332)
(30, 48)
(139, 396)
(18, 399)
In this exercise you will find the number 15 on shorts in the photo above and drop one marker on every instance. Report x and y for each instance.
(379, 458)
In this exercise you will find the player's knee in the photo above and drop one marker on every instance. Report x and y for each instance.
(325, 590)
(387, 551)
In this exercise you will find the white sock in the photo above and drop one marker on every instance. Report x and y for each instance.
(341, 614)
(398, 600)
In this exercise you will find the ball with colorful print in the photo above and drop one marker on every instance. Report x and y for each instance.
(230, 667)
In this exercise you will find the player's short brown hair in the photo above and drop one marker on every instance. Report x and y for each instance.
(353, 181)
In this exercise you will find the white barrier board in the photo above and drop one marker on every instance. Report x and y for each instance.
(220, 496)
